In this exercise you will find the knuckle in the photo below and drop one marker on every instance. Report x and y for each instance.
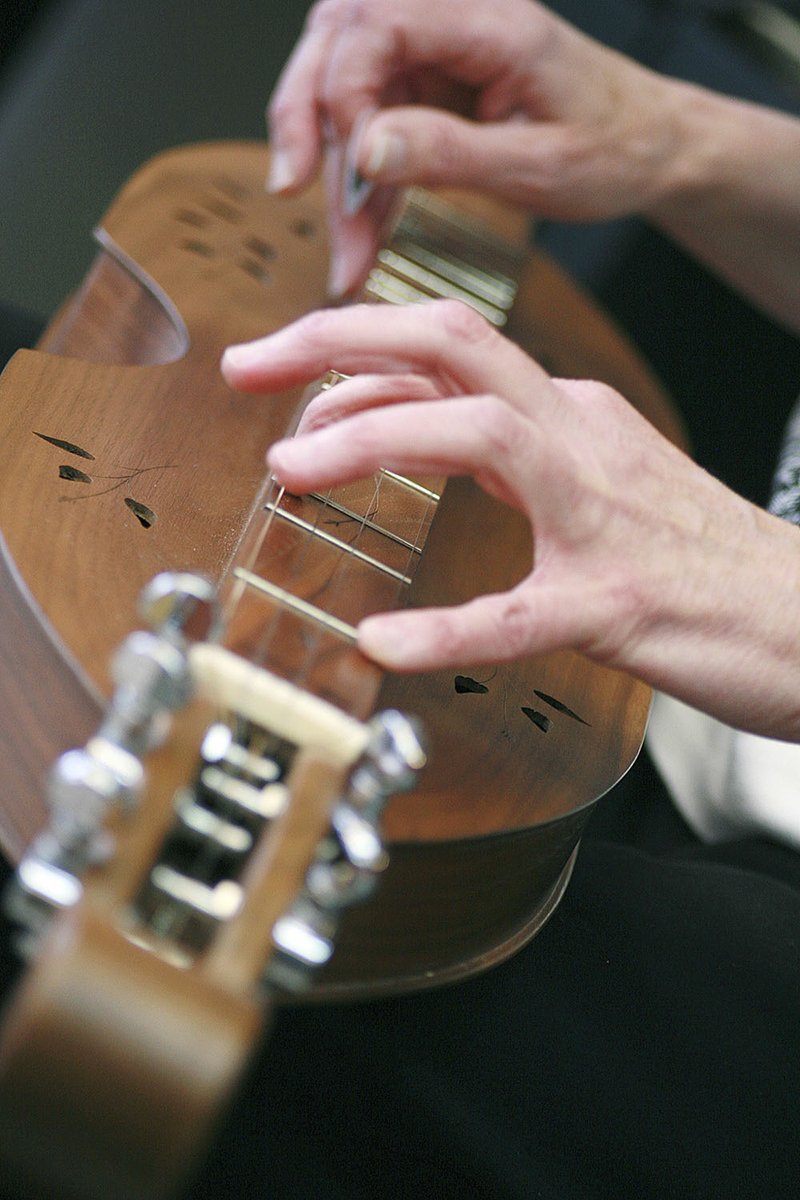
(316, 329)
(442, 154)
(327, 14)
(498, 424)
(280, 107)
(514, 622)
(460, 321)
(446, 635)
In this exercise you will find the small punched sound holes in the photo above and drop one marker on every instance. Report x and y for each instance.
(188, 216)
(262, 253)
(303, 228)
(261, 249)
(201, 248)
(223, 210)
(231, 187)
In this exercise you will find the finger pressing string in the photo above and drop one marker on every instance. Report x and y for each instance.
(363, 392)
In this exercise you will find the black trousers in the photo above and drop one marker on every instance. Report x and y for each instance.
(646, 1045)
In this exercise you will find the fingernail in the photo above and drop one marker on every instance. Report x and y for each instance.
(356, 189)
(356, 192)
(275, 458)
(281, 172)
(339, 277)
(238, 356)
(386, 155)
(379, 638)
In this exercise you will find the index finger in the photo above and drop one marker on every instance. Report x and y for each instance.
(443, 339)
(301, 102)
(293, 111)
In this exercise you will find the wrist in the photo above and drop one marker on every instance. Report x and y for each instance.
(723, 153)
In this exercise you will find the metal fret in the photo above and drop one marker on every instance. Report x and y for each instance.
(413, 485)
(365, 522)
(497, 289)
(302, 607)
(338, 543)
(433, 223)
(391, 290)
(436, 285)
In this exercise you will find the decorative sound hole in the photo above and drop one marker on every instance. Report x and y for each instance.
(560, 707)
(65, 471)
(201, 248)
(261, 249)
(303, 228)
(539, 719)
(224, 210)
(256, 269)
(463, 684)
(144, 515)
(231, 187)
(70, 447)
(466, 685)
(188, 217)
(105, 483)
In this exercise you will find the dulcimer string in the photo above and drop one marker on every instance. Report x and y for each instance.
(435, 252)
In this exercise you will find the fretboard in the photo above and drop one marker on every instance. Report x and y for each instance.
(310, 568)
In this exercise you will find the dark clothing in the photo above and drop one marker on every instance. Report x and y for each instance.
(645, 1045)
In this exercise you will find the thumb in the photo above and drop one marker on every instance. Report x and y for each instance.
(407, 145)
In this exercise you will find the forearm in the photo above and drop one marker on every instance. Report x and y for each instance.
(731, 195)
(723, 632)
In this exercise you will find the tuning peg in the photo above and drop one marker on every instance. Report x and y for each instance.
(392, 759)
(178, 603)
(83, 787)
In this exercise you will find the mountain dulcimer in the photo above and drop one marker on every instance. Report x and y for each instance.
(231, 806)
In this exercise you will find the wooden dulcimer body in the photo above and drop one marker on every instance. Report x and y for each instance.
(125, 456)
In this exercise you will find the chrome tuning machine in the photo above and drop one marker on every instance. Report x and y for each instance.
(351, 858)
(151, 677)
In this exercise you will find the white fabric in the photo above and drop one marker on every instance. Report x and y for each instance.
(725, 783)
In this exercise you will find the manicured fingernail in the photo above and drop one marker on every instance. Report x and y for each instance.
(281, 172)
(386, 155)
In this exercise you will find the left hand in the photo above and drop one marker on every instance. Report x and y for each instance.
(642, 560)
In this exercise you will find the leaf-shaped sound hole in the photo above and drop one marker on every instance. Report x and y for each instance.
(144, 515)
(73, 474)
(70, 447)
(223, 210)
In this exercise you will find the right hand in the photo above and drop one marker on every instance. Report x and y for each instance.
(504, 97)
(643, 561)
